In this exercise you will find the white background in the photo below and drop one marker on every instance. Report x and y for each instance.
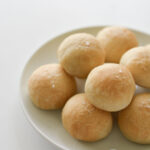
(24, 26)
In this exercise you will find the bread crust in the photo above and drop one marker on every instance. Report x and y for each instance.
(80, 53)
(134, 121)
(50, 87)
(84, 121)
(137, 60)
(116, 41)
(110, 87)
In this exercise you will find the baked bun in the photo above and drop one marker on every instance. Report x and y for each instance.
(116, 41)
(80, 53)
(84, 121)
(50, 87)
(134, 121)
(110, 87)
(137, 60)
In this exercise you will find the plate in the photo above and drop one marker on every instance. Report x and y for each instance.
(48, 123)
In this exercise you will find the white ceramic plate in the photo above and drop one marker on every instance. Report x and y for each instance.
(48, 123)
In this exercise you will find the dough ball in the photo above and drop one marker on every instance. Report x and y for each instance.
(137, 60)
(84, 121)
(50, 87)
(80, 53)
(134, 121)
(116, 41)
(110, 87)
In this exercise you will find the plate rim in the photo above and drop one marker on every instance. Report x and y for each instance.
(27, 115)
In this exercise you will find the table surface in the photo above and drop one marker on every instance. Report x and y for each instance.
(24, 26)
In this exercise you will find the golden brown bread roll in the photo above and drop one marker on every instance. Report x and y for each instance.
(110, 87)
(84, 121)
(134, 121)
(50, 87)
(116, 41)
(137, 60)
(80, 53)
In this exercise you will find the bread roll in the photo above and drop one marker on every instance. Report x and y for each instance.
(116, 41)
(80, 53)
(137, 60)
(84, 121)
(134, 121)
(50, 87)
(110, 87)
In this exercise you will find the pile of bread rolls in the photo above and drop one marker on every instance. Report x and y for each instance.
(113, 64)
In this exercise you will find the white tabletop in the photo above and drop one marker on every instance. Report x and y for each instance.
(24, 26)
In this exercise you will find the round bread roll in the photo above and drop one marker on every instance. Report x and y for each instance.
(50, 87)
(116, 41)
(84, 121)
(134, 121)
(80, 53)
(110, 87)
(137, 60)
